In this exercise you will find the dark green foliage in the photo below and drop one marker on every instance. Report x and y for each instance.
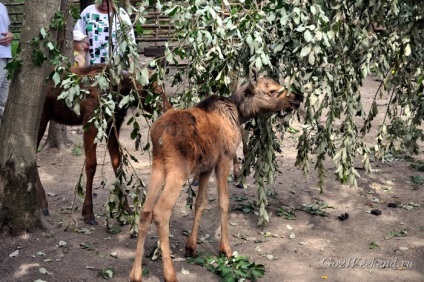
(419, 165)
(231, 269)
(287, 213)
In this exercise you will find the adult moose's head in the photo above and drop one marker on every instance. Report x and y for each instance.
(262, 94)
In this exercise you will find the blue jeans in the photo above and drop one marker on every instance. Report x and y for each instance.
(4, 85)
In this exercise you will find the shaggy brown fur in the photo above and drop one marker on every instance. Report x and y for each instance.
(58, 111)
(203, 138)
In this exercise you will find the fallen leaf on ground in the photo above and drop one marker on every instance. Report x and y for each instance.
(14, 254)
(62, 244)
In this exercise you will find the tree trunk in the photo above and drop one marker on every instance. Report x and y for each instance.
(58, 133)
(19, 209)
(85, 3)
(57, 136)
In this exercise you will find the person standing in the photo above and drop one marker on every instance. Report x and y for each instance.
(6, 38)
(80, 48)
(94, 23)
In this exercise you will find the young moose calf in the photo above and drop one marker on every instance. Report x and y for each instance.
(202, 138)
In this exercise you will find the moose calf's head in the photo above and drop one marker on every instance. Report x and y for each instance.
(262, 94)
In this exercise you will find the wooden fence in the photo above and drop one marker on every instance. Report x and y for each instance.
(157, 29)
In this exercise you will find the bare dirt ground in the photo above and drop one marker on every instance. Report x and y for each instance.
(323, 248)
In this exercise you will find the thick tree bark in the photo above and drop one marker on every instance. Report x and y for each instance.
(85, 3)
(19, 210)
(57, 136)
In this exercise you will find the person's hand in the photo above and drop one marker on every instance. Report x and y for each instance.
(6, 38)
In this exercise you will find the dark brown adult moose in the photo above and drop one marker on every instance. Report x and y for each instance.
(58, 111)
(202, 138)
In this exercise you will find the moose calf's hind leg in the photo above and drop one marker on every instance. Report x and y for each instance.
(222, 172)
(143, 228)
(157, 179)
(200, 205)
(161, 215)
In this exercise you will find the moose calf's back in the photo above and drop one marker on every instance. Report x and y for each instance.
(199, 135)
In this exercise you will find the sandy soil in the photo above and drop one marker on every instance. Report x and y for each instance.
(323, 248)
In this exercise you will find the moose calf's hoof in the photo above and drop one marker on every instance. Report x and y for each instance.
(190, 252)
(226, 251)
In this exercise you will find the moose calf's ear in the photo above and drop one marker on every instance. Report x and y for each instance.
(253, 76)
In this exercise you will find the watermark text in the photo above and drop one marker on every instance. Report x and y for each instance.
(367, 263)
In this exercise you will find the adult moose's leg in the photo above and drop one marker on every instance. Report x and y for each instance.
(90, 170)
(201, 201)
(115, 158)
(162, 212)
(157, 179)
(222, 171)
(236, 170)
(42, 197)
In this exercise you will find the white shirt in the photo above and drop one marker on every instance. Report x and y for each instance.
(5, 51)
(96, 26)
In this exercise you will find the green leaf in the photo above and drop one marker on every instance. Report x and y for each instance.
(168, 55)
(144, 76)
(277, 48)
(50, 46)
(124, 101)
(307, 35)
(56, 78)
(43, 32)
(258, 63)
(38, 57)
(407, 50)
(311, 58)
(305, 51)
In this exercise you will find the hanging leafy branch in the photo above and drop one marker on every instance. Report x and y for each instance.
(324, 48)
